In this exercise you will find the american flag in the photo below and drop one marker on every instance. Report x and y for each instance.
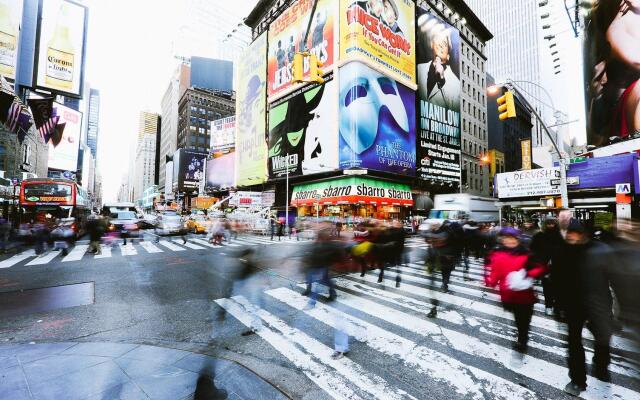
(14, 115)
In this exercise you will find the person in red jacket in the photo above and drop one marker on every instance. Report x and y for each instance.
(510, 267)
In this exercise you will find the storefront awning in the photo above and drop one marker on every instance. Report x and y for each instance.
(352, 190)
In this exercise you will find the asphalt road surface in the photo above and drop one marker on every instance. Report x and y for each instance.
(187, 297)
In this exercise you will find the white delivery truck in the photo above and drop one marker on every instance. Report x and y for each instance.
(460, 207)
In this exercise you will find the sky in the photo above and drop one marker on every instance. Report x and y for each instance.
(130, 48)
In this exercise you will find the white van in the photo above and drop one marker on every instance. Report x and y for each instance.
(460, 207)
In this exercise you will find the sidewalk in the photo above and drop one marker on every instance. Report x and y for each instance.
(95, 371)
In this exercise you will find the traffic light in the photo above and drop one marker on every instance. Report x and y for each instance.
(506, 106)
(297, 69)
(315, 73)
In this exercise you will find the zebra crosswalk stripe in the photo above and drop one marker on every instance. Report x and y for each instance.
(466, 380)
(76, 253)
(150, 247)
(205, 243)
(10, 262)
(128, 250)
(105, 252)
(170, 246)
(44, 258)
(189, 245)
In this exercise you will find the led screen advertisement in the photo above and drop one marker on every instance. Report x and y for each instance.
(10, 20)
(64, 155)
(438, 59)
(382, 34)
(377, 121)
(286, 37)
(220, 171)
(251, 101)
(303, 132)
(60, 58)
(611, 54)
(188, 169)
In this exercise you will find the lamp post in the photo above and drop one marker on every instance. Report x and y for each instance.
(286, 204)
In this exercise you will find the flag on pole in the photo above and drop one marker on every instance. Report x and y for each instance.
(13, 115)
(56, 136)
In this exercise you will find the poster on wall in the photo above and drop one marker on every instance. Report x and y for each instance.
(61, 44)
(382, 34)
(377, 121)
(220, 171)
(251, 101)
(303, 132)
(286, 37)
(438, 58)
(223, 133)
(10, 21)
(64, 155)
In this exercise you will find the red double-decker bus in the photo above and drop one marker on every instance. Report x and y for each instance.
(48, 199)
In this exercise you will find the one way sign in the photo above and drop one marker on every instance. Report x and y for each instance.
(623, 188)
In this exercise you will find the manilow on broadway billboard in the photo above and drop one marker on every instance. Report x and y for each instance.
(251, 102)
(382, 34)
(438, 58)
(286, 37)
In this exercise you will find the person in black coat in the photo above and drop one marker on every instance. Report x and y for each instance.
(583, 278)
(546, 246)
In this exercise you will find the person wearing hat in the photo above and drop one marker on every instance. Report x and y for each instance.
(583, 282)
(511, 268)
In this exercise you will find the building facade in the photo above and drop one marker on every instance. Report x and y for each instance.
(197, 108)
(93, 121)
(145, 156)
(23, 160)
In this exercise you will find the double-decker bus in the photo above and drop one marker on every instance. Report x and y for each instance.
(48, 199)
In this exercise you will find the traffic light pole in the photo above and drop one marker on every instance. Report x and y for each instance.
(564, 195)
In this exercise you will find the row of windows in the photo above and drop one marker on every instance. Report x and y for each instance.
(472, 148)
(473, 110)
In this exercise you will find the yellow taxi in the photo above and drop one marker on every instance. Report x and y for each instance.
(197, 224)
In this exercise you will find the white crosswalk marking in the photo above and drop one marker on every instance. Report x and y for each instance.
(170, 245)
(44, 258)
(105, 252)
(205, 243)
(128, 250)
(150, 247)
(10, 262)
(76, 253)
(188, 244)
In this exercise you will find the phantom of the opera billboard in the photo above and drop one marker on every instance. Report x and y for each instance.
(438, 58)
(380, 33)
(303, 133)
(286, 38)
(377, 121)
(611, 54)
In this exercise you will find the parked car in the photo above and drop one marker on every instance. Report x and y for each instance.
(169, 224)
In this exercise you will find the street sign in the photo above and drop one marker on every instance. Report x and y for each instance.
(575, 160)
(623, 188)
(555, 182)
(573, 180)
(67, 174)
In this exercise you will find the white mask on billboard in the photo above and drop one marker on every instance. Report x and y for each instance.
(363, 92)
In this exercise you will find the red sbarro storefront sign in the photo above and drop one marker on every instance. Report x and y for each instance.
(352, 190)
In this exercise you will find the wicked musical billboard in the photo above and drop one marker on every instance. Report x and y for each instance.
(303, 136)
(438, 58)
(286, 37)
(377, 121)
(380, 33)
(611, 49)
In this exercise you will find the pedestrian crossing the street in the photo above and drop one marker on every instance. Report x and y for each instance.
(29, 258)
(465, 349)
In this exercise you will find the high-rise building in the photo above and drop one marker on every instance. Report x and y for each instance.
(147, 124)
(145, 156)
(93, 121)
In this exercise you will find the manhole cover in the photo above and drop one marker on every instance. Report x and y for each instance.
(29, 301)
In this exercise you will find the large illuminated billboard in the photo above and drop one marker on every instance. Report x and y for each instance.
(64, 155)
(10, 21)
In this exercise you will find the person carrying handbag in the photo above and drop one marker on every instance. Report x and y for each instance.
(510, 267)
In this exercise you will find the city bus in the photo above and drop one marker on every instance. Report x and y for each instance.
(48, 199)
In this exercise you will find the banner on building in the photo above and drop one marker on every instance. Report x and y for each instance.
(303, 132)
(11, 17)
(382, 34)
(246, 199)
(352, 190)
(61, 44)
(531, 183)
(251, 101)
(377, 121)
(525, 145)
(63, 153)
(286, 37)
(188, 170)
(223, 134)
(438, 58)
(220, 171)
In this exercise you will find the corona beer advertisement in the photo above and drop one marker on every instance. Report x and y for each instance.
(10, 21)
(286, 37)
(303, 132)
(377, 121)
(438, 58)
(251, 102)
(611, 51)
(382, 34)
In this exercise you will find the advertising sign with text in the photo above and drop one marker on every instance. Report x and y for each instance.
(530, 183)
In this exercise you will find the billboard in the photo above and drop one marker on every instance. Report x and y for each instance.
(377, 121)
(611, 71)
(286, 37)
(220, 172)
(188, 169)
(529, 183)
(223, 133)
(246, 199)
(382, 34)
(60, 58)
(303, 130)
(251, 104)
(10, 21)
(64, 156)
(352, 190)
(438, 58)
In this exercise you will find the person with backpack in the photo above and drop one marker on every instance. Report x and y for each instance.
(511, 268)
